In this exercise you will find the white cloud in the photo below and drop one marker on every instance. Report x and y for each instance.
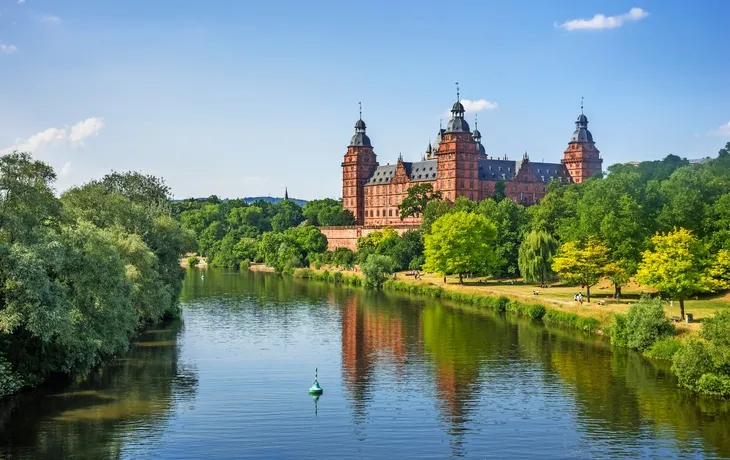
(599, 21)
(20, 2)
(474, 106)
(66, 169)
(50, 18)
(83, 129)
(53, 137)
(723, 130)
(478, 105)
(7, 49)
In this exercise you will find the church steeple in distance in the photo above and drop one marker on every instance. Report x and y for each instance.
(286, 193)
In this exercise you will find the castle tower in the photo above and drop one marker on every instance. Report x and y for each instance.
(457, 158)
(359, 163)
(582, 158)
(478, 139)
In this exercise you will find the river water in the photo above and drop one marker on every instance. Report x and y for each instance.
(403, 378)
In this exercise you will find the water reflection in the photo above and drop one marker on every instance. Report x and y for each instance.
(90, 419)
(403, 378)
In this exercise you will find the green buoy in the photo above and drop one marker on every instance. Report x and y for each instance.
(315, 389)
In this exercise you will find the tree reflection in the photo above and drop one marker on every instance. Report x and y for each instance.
(89, 419)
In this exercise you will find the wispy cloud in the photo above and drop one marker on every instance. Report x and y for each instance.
(49, 18)
(600, 22)
(53, 137)
(20, 2)
(7, 49)
(65, 169)
(723, 131)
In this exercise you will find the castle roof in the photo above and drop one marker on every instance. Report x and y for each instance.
(489, 169)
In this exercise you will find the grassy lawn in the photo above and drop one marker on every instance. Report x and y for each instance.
(561, 297)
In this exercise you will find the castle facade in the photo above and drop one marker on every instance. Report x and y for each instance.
(456, 165)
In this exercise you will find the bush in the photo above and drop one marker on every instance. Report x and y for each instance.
(690, 363)
(245, 263)
(375, 268)
(193, 261)
(715, 385)
(337, 277)
(643, 325)
(664, 348)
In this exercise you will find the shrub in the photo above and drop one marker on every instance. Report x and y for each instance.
(664, 348)
(715, 385)
(375, 268)
(325, 276)
(245, 263)
(690, 363)
(193, 261)
(10, 382)
(337, 277)
(643, 325)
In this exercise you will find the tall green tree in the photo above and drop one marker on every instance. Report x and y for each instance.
(676, 266)
(418, 197)
(582, 263)
(500, 191)
(536, 256)
(460, 243)
(512, 221)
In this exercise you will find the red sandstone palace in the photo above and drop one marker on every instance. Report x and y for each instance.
(457, 165)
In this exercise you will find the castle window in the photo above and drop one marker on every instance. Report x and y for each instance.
(390, 213)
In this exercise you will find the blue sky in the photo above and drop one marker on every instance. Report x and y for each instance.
(245, 98)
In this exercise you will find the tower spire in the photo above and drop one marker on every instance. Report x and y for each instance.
(475, 121)
(286, 193)
(360, 104)
(581, 105)
(457, 92)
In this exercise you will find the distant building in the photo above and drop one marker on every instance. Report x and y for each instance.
(457, 165)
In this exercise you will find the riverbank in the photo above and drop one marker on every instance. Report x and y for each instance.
(555, 298)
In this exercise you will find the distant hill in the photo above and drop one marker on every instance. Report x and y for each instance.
(252, 199)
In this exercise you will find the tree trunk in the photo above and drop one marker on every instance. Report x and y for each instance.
(588, 293)
(617, 291)
(681, 308)
(444, 280)
(461, 280)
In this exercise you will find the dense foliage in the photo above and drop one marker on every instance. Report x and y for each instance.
(283, 235)
(80, 275)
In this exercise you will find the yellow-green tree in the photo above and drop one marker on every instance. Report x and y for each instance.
(676, 266)
(582, 263)
(460, 243)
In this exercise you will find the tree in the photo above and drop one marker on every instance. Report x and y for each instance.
(418, 197)
(434, 210)
(375, 269)
(582, 263)
(289, 214)
(500, 191)
(460, 243)
(511, 221)
(536, 256)
(676, 266)
(327, 212)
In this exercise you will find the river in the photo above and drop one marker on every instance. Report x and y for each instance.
(403, 378)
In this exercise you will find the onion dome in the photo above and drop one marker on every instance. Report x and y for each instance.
(581, 133)
(457, 124)
(360, 139)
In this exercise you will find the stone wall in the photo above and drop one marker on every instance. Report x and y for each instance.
(346, 236)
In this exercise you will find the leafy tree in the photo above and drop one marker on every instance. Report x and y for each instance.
(511, 220)
(405, 250)
(27, 202)
(137, 187)
(676, 266)
(418, 197)
(288, 214)
(500, 191)
(535, 256)
(460, 243)
(434, 210)
(375, 269)
(327, 212)
(375, 238)
(582, 263)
